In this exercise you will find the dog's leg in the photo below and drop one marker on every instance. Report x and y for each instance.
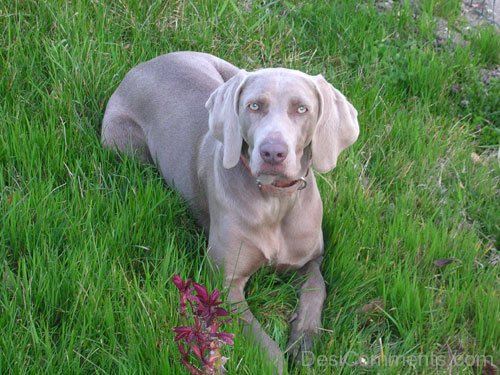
(307, 318)
(121, 133)
(252, 326)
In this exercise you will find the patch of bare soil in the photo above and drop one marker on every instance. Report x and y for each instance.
(480, 12)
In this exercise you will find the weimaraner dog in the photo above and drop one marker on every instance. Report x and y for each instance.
(240, 148)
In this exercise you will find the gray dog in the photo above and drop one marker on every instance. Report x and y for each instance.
(239, 147)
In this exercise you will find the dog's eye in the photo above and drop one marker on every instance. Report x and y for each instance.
(253, 106)
(301, 109)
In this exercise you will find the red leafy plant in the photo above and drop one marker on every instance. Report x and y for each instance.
(199, 339)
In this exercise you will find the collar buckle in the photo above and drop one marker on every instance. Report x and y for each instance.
(304, 182)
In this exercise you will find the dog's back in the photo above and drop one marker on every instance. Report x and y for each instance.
(160, 102)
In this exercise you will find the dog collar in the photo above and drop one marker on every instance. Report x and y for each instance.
(279, 187)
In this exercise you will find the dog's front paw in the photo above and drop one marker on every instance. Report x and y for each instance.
(299, 347)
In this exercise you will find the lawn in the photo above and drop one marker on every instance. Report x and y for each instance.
(89, 243)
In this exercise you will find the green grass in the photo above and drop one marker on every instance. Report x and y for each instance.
(88, 243)
(486, 44)
(448, 9)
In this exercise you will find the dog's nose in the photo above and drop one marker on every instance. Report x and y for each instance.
(273, 152)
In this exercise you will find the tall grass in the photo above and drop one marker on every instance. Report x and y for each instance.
(89, 243)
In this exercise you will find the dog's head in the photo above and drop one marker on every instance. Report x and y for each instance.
(280, 119)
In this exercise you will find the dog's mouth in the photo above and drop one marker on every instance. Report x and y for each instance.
(284, 183)
(270, 175)
(275, 178)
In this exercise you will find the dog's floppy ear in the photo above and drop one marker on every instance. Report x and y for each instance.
(337, 126)
(223, 117)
